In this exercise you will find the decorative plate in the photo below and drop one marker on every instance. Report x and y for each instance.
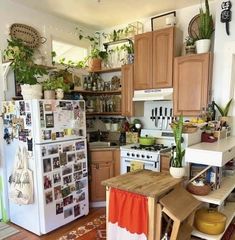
(193, 27)
(29, 36)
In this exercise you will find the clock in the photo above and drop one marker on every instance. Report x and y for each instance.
(193, 27)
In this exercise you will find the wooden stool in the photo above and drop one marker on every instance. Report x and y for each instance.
(180, 206)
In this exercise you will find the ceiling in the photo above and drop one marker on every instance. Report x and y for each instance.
(102, 14)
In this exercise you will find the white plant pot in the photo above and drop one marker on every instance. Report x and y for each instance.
(30, 92)
(203, 45)
(59, 93)
(177, 172)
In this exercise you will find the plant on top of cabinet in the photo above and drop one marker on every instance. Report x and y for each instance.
(206, 28)
(27, 73)
(189, 45)
(177, 170)
(96, 55)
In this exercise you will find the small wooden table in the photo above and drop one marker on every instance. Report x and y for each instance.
(151, 184)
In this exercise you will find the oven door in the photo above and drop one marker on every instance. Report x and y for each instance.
(150, 165)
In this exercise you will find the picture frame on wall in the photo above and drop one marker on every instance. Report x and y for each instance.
(163, 20)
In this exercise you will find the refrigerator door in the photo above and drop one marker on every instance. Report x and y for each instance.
(58, 120)
(63, 183)
(17, 133)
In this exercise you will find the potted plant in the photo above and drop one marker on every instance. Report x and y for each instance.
(130, 52)
(61, 87)
(49, 87)
(206, 28)
(96, 55)
(177, 170)
(27, 73)
(189, 45)
(224, 119)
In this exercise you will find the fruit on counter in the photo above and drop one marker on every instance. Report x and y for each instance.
(197, 120)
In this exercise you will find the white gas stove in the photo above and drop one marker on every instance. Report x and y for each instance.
(149, 156)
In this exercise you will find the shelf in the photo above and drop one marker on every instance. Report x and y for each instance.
(229, 211)
(114, 92)
(103, 113)
(117, 42)
(107, 70)
(219, 195)
(215, 154)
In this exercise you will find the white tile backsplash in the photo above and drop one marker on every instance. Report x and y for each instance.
(148, 106)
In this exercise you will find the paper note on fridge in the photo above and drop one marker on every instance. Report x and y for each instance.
(136, 165)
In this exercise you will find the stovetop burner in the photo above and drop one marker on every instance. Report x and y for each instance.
(153, 148)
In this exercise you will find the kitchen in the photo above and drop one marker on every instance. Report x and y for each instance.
(185, 13)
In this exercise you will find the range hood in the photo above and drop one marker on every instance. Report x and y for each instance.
(153, 94)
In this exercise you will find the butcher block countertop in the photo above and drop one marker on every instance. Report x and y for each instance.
(144, 182)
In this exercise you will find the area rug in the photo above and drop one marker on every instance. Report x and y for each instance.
(94, 230)
(6, 231)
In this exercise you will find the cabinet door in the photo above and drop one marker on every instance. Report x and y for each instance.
(99, 172)
(143, 61)
(127, 90)
(163, 46)
(192, 75)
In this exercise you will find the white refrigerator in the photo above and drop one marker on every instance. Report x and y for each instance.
(54, 133)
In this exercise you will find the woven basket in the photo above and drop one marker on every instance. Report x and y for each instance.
(189, 129)
(198, 190)
(29, 36)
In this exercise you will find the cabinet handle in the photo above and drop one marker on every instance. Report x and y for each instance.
(97, 166)
(230, 150)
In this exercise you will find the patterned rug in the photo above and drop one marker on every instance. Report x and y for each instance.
(94, 230)
(6, 231)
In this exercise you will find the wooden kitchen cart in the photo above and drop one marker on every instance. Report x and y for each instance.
(151, 184)
(216, 154)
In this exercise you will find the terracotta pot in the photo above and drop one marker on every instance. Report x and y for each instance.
(177, 172)
(95, 64)
(49, 94)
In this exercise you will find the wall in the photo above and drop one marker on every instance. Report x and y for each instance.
(224, 62)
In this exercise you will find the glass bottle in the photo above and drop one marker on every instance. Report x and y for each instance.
(85, 84)
(89, 86)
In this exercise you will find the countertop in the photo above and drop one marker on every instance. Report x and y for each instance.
(144, 182)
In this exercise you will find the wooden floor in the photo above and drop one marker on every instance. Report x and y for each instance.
(26, 235)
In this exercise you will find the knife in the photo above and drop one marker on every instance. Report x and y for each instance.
(152, 116)
(160, 118)
(166, 119)
(171, 117)
(156, 118)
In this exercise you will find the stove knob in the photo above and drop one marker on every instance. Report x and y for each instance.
(132, 154)
(128, 154)
(142, 156)
(148, 156)
(137, 155)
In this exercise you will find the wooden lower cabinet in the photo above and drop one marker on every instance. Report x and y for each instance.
(104, 164)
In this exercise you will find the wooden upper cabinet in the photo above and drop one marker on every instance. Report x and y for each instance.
(163, 42)
(154, 55)
(192, 82)
(143, 61)
(127, 90)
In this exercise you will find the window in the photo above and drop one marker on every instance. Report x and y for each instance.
(68, 51)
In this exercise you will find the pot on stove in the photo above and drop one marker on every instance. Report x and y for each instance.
(147, 141)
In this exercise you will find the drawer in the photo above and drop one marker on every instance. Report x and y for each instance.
(228, 155)
(101, 156)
